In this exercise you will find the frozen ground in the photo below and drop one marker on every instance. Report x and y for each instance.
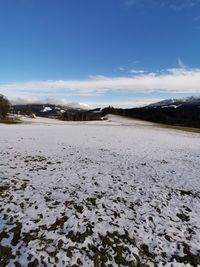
(111, 193)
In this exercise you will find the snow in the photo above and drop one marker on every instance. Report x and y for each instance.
(172, 106)
(45, 109)
(109, 193)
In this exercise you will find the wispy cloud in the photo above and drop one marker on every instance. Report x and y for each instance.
(197, 21)
(196, 18)
(174, 80)
(131, 103)
(121, 68)
(183, 4)
(37, 100)
(172, 4)
(137, 71)
(133, 62)
(130, 3)
(126, 66)
(181, 64)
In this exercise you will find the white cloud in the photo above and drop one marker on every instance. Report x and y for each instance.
(137, 71)
(62, 102)
(131, 103)
(181, 64)
(121, 68)
(27, 100)
(177, 80)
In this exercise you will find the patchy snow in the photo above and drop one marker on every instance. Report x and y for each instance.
(45, 109)
(172, 106)
(110, 120)
(118, 192)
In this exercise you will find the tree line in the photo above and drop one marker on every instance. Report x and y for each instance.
(186, 115)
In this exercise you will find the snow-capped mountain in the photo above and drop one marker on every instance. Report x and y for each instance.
(176, 103)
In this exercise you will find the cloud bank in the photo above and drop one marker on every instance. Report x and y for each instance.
(54, 101)
(133, 102)
(175, 80)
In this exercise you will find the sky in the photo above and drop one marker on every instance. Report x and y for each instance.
(99, 52)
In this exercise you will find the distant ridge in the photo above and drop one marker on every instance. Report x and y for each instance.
(188, 101)
(179, 112)
(57, 111)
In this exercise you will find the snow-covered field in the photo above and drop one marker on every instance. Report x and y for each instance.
(107, 193)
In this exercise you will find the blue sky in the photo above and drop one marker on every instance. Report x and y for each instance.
(99, 52)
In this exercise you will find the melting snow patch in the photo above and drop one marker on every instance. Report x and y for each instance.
(99, 195)
(45, 109)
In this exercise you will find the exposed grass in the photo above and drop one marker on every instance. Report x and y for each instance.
(9, 120)
(162, 125)
(3, 189)
(169, 126)
(181, 128)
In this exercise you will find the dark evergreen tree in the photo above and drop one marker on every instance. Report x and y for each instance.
(4, 107)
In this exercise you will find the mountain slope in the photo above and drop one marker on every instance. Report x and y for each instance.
(58, 111)
(180, 112)
(189, 101)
